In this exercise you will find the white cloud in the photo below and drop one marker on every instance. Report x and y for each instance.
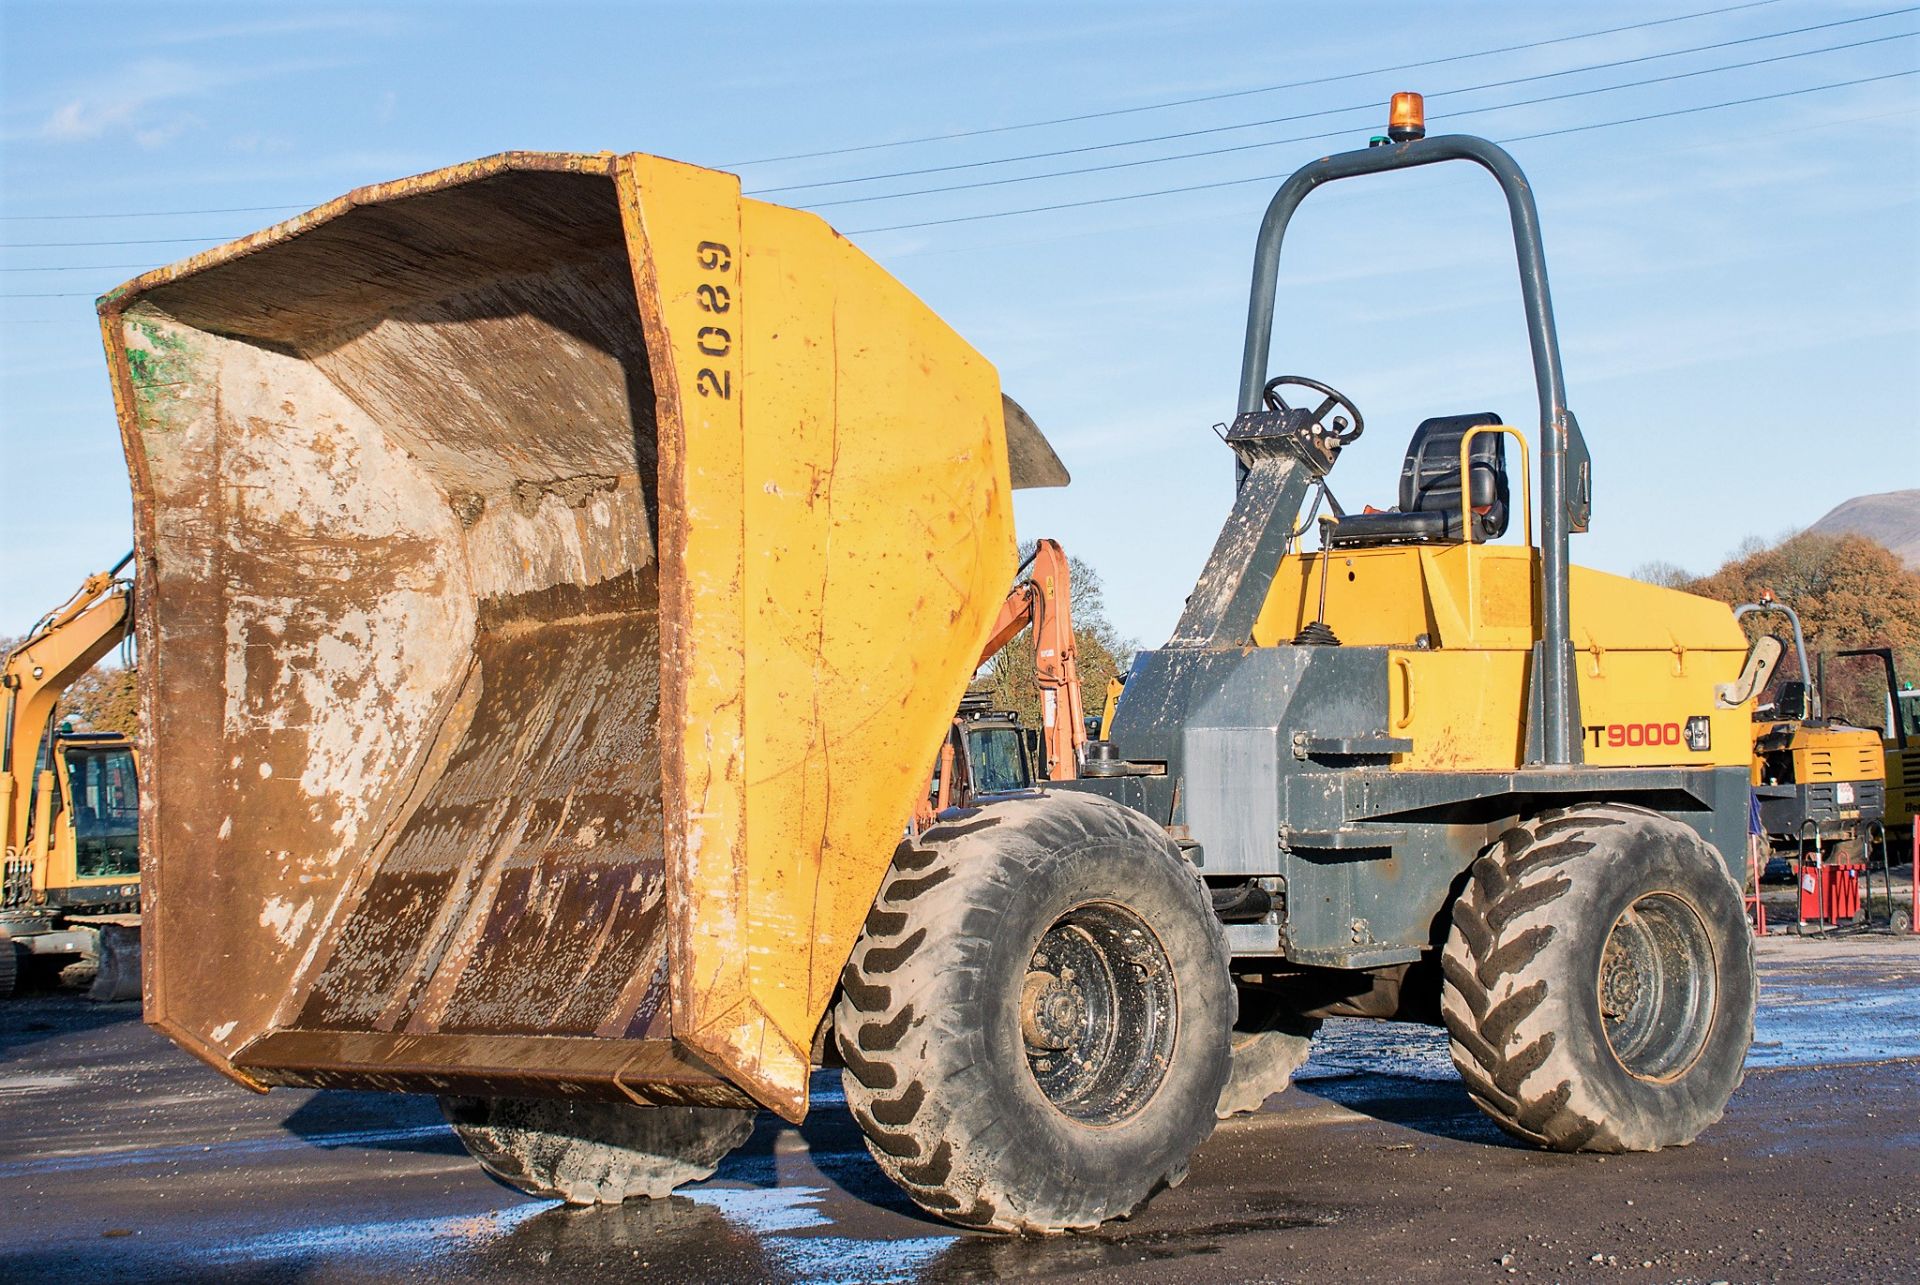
(132, 97)
(145, 99)
(256, 143)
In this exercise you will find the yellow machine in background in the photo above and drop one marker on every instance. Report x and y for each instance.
(1901, 744)
(69, 800)
(1820, 783)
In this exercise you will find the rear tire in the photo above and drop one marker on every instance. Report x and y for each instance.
(9, 966)
(118, 977)
(1035, 1022)
(1265, 1056)
(1599, 981)
(595, 1153)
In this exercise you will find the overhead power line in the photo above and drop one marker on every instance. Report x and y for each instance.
(1334, 111)
(150, 214)
(1274, 178)
(165, 240)
(1902, 113)
(1245, 93)
(1055, 174)
(1248, 147)
(1059, 120)
(1239, 147)
(1688, 111)
(81, 267)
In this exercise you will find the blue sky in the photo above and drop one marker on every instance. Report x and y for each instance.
(1738, 290)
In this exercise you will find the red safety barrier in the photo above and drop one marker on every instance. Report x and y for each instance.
(1830, 892)
(1756, 865)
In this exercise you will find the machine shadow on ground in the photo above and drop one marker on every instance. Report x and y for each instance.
(41, 1016)
(373, 1121)
(1438, 1108)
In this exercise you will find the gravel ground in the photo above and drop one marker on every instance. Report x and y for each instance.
(124, 1159)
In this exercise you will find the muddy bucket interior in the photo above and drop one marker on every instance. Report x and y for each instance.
(527, 554)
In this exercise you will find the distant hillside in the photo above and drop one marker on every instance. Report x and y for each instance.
(1891, 518)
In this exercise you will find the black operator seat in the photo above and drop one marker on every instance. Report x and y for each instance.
(1429, 511)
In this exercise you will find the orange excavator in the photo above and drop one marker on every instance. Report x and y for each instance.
(986, 750)
(69, 800)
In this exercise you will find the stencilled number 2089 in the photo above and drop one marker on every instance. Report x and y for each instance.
(714, 340)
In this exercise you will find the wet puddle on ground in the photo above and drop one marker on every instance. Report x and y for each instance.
(810, 1206)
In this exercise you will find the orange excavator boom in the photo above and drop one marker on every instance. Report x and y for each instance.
(1044, 599)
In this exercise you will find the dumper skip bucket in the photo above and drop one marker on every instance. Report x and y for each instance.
(556, 573)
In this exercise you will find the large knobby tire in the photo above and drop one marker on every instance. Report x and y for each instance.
(1035, 1020)
(1265, 1056)
(118, 975)
(9, 967)
(595, 1153)
(1599, 981)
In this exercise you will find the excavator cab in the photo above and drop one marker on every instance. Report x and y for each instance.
(99, 782)
(987, 751)
(84, 827)
(999, 754)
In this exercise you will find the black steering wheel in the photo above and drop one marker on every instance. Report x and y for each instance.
(1338, 430)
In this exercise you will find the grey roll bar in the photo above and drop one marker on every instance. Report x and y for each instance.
(1563, 452)
(1776, 607)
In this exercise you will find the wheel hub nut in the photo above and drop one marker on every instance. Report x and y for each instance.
(1051, 1011)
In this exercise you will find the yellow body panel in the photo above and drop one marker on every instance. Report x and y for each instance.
(1463, 710)
(1461, 619)
(857, 415)
(1648, 660)
(1457, 595)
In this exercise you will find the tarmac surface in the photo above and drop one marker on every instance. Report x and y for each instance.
(124, 1159)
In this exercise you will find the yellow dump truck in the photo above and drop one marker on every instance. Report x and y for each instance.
(557, 574)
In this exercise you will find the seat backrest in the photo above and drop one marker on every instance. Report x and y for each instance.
(1430, 476)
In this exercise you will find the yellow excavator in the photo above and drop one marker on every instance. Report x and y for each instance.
(69, 801)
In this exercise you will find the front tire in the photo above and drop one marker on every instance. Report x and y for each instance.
(595, 1153)
(1035, 1021)
(1599, 981)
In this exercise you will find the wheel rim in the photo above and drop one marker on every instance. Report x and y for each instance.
(1098, 1013)
(1658, 987)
